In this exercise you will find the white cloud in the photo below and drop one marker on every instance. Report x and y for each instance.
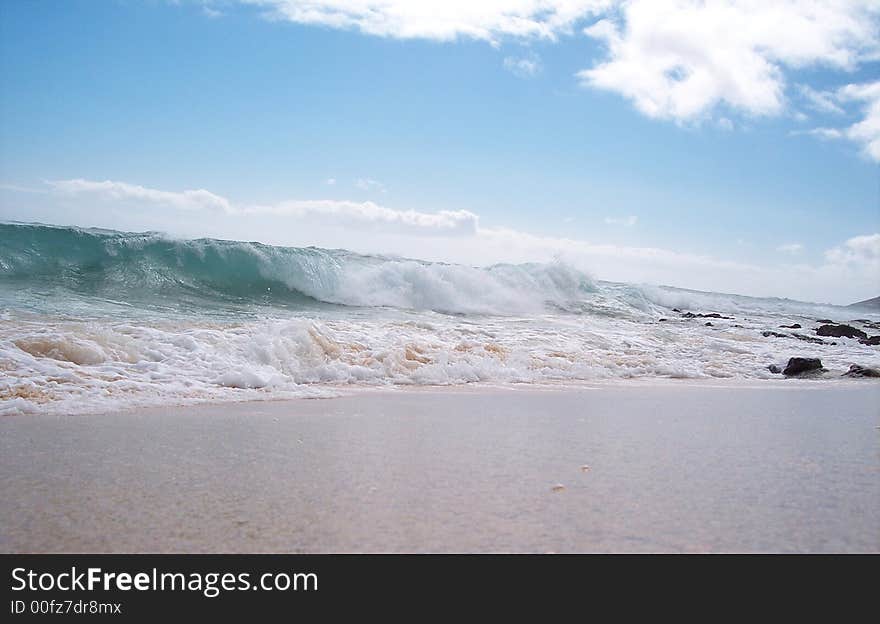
(680, 60)
(866, 132)
(849, 272)
(791, 248)
(624, 221)
(821, 101)
(330, 181)
(831, 281)
(441, 20)
(348, 213)
(342, 213)
(185, 200)
(861, 251)
(683, 59)
(820, 133)
(368, 184)
(523, 67)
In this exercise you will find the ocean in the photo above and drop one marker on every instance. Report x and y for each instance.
(97, 320)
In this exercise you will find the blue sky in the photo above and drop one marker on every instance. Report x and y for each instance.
(746, 164)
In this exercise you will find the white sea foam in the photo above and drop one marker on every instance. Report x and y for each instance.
(98, 320)
(67, 366)
(409, 284)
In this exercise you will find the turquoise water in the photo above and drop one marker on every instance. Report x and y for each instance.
(92, 320)
(149, 269)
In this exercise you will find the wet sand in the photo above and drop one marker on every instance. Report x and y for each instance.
(673, 467)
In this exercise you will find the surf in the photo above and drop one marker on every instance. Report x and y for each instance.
(152, 266)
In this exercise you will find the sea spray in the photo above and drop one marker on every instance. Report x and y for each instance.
(95, 320)
(145, 266)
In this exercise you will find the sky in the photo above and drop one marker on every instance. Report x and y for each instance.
(731, 146)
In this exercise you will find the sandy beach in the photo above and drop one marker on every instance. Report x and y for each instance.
(642, 467)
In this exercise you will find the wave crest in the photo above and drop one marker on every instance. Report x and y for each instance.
(145, 266)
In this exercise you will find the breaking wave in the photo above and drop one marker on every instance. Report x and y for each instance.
(144, 267)
(96, 320)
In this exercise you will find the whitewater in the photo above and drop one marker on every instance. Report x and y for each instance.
(97, 320)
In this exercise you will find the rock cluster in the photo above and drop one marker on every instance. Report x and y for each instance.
(774, 334)
(799, 366)
(714, 315)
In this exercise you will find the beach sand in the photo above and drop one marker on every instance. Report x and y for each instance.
(673, 467)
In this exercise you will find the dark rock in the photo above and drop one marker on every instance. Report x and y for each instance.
(708, 324)
(768, 334)
(714, 315)
(860, 371)
(799, 366)
(872, 341)
(824, 321)
(841, 331)
(793, 326)
(676, 310)
(812, 339)
(774, 369)
(738, 326)
(662, 320)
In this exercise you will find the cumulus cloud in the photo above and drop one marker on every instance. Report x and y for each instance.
(333, 212)
(862, 251)
(624, 221)
(821, 101)
(186, 200)
(440, 20)
(791, 248)
(831, 281)
(865, 132)
(523, 67)
(683, 59)
(820, 133)
(346, 213)
(849, 272)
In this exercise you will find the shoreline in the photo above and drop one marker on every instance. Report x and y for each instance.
(675, 466)
(325, 391)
